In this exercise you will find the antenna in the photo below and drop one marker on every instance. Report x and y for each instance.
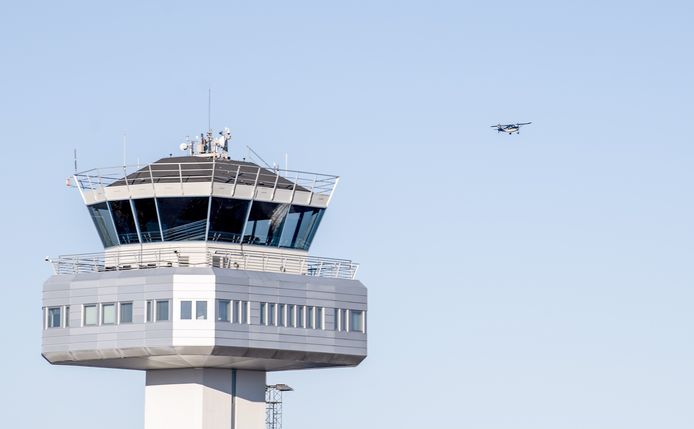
(258, 156)
(209, 109)
(74, 157)
(125, 148)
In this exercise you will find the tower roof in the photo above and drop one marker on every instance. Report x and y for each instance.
(190, 169)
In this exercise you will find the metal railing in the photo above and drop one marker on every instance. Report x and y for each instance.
(210, 257)
(228, 172)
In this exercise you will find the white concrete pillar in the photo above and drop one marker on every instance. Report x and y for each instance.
(206, 398)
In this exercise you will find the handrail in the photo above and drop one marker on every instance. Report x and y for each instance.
(206, 171)
(127, 260)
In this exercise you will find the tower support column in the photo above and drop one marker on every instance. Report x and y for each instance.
(205, 398)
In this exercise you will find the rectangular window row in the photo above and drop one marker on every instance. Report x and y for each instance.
(291, 315)
(350, 320)
(233, 311)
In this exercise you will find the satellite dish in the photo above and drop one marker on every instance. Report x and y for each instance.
(183, 146)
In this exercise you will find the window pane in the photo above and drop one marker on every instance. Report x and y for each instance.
(67, 317)
(271, 314)
(186, 310)
(309, 317)
(265, 223)
(126, 312)
(108, 314)
(90, 315)
(244, 311)
(149, 311)
(183, 218)
(300, 316)
(300, 227)
(336, 321)
(291, 310)
(147, 219)
(223, 307)
(343, 320)
(103, 223)
(201, 310)
(356, 323)
(319, 318)
(263, 313)
(162, 310)
(54, 317)
(282, 315)
(125, 222)
(227, 217)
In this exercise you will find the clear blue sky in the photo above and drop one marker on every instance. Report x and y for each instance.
(535, 281)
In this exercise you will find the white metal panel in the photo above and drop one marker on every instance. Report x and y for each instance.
(196, 188)
(283, 196)
(243, 191)
(222, 190)
(117, 193)
(319, 200)
(302, 198)
(142, 191)
(263, 194)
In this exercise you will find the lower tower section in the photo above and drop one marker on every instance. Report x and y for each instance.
(204, 398)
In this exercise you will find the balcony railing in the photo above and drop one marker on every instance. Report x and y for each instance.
(227, 172)
(210, 257)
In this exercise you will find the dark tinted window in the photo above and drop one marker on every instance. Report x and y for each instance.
(125, 223)
(147, 220)
(103, 223)
(265, 223)
(300, 227)
(183, 218)
(227, 217)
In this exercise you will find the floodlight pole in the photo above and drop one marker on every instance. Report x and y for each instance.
(273, 405)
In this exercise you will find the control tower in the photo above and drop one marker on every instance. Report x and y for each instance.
(205, 283)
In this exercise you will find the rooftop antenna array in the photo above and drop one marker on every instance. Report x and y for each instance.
(206, 145)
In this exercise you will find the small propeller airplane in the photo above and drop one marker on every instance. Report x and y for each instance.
(510, 128)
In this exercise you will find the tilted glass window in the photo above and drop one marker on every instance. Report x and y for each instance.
(91, 316)
(264, 224)
(54, 317)
(147, 219)
(223, 310)
(186, 310)
(227, 217)
(103, 223)
(108, 314)
(162, 310)
(183, 218)
(300, 227)
(125, 222)
(356, 321)
(126, 312)
(201, 310)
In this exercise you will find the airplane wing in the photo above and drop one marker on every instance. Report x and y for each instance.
(524, 123)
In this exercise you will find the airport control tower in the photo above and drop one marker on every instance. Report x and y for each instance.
(205, 283)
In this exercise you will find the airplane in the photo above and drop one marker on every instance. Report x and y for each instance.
(510, 128)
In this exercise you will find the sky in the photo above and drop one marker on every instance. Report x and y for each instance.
(533, 281)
